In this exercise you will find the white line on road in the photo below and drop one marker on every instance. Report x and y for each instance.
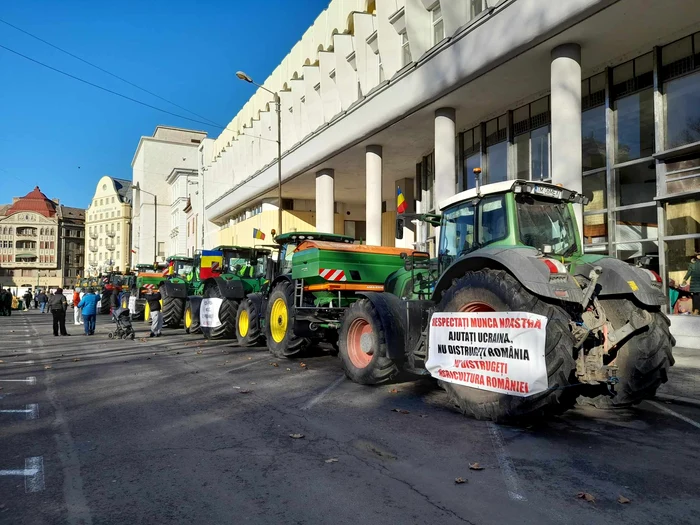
(33, 473)
(20, 363)
(31, 380)
(675, 414)
(316, 399)
(31, 412)
(506, 464)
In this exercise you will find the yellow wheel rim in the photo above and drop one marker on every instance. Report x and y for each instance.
(278, 323)
(147, 312)
(188, 318)
(243, 323)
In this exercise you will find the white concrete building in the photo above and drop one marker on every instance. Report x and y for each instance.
(598, 95)
(157, 164)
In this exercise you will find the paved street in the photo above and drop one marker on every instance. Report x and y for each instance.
(176, 430)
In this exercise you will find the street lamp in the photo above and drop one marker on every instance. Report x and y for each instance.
(155, 220)
(241, 75)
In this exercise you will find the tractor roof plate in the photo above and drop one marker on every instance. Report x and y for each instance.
(519, 186)
(179, 258)
(286, 238)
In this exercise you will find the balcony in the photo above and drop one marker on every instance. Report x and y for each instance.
(110, 247)
(93, 249)
(26, 233)
(111, 234)
(93, 236)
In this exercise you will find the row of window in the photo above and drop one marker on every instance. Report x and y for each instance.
(102, 202)
(105, 228)
(28, 245)
(27, 258)
(27, 232)
(99, 256)
(105, 215)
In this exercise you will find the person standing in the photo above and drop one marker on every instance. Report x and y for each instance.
(58, 306)
(693, 274)
(77, 313)
(88, 306)
(42, 298)
(113, 301)
(5, 301)
(156, 315)
(27, 300)
(36, 299)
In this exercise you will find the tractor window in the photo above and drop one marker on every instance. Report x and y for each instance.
(546, 222)
(457, 230)
(285, 258)
(493, 221)
(183, 269)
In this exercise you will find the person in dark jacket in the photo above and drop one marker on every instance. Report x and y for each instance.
(693, 274)
(27, 300)
(113, 301)
(5, 302)
(58, 306)
(156, 315)
(88, 305)
(42, 298)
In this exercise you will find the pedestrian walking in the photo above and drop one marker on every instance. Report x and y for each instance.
(58, 306)
(77, 312)
(36, 299)
(88, 306)
(113, 302)
(43, 299)
(27, 300)
(156, 315)
(5, 302)
(693, 274)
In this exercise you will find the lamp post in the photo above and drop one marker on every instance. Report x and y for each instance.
(278, 106)
(155, 220)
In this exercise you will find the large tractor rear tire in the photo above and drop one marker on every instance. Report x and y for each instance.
(279, 329)
(227, 316)
(498, 291)
(363, 347)
(643, 359)
(173, 311)
(248, 323)
(104, 301)
(191, 320)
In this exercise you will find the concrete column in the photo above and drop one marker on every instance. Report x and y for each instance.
(373, 199)
(445, 154)
(567, 159)
(325, 200)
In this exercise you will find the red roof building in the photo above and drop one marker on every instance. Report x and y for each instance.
(34, 201)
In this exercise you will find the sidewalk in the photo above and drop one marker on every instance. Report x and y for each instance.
(684, 376)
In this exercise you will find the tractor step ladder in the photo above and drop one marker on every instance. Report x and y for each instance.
(299, 293)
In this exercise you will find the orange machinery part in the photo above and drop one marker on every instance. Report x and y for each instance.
(356, 248)
(344, 287)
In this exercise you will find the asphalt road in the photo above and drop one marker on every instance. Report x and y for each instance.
(178, 430)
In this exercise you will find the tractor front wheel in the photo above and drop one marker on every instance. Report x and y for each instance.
(191, 320)
(279, 331)
(498, 291)
(363, 347)
(173, 311)
(227, 315)
(248, 323)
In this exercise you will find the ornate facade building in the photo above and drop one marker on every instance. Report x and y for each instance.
(42, 242)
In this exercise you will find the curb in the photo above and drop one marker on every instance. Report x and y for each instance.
(678, 399)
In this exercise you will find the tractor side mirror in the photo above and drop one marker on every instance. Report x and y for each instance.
(399, 227)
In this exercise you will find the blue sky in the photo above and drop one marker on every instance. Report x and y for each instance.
(63, 135)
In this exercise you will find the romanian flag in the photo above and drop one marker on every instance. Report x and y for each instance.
(400, 201)
(211, 263)
(257, 234)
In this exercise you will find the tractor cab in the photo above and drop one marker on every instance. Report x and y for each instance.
(288, 243)
(244, 262)
(179, 267)
(510, 214)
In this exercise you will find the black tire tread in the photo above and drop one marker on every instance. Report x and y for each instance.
(254, 335)
(292, 345)
(227, 316)
(558, 352)
(194, 327)
(173, 311)
(381, 369)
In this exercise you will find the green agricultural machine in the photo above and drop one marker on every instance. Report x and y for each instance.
(146, 281)
(251, 315)
(221, 279)
(307, 300)
(177, 285)
(512, 318)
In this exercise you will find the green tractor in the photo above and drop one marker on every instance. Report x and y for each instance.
(513, 319)
(146, 281)
(252, 310)
(221, 279)
(176, 286)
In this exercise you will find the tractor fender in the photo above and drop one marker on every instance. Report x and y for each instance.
(177, 290)
(391, 310)
(230, 289)
(257, 300)
(195, 302)
(522, 263)
(279, 279)
(619, 277)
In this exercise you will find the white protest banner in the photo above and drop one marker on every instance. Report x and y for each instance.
(132, 303)
(209, 312)
(497, 351)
